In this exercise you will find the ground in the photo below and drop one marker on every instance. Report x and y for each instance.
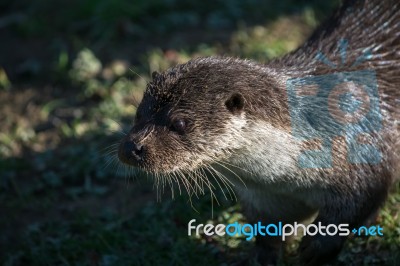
(70, 72)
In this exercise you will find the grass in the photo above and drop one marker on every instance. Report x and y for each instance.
(63, 200)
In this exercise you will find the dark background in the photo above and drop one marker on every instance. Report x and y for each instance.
(70, 72)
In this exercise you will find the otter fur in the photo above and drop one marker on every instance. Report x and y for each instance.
(236, 119)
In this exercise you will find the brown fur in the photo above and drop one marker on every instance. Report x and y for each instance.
(231, 118)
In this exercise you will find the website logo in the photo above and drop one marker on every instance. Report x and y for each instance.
(338, 104)
(280, 230)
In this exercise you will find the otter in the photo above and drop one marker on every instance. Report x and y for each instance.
(314, 133)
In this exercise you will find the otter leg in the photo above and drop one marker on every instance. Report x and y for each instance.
(352, 207)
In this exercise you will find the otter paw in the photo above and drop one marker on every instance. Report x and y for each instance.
(317, 250)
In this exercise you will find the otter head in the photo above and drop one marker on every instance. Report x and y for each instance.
(190, 116)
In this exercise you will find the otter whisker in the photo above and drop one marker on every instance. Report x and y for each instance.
(184, 182)
(234, 165)
(201, 181)
(198, 173)
(110, 149)
(112, 145)
(118, 131)
(176, 179)
(156, 184)
(209, 168)
(192, 206)
(189, 178)
(126, 171)
(208, 183)
(163, 182)
(168, 177)
(110, 155)
(205, 181)
(196, 183)
(127, 175)
(120, 127)
(222, 177)
(137, 74)
(193, 176)
(188, 187)
(110, 160)
(160, 187)
(226, 182)
(227, 168)
(131, 173)
(117, 172)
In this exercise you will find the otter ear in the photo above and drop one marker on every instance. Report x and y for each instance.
(154, 74)
(235, 103)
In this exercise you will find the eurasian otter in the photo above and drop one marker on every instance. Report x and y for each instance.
(315, 132)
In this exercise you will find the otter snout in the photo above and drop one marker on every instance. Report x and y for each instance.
(131, 152)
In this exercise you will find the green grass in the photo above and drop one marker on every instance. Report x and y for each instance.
(63, 200)
(112, 239)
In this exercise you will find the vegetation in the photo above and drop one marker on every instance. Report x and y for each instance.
(70, 72)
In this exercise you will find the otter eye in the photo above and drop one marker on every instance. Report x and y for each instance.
(179, 126)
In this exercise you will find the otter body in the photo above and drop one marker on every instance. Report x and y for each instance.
(254, 126)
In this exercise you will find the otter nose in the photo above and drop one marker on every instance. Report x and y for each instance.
(131, 152)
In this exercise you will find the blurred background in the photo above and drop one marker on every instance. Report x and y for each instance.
(70, 72)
